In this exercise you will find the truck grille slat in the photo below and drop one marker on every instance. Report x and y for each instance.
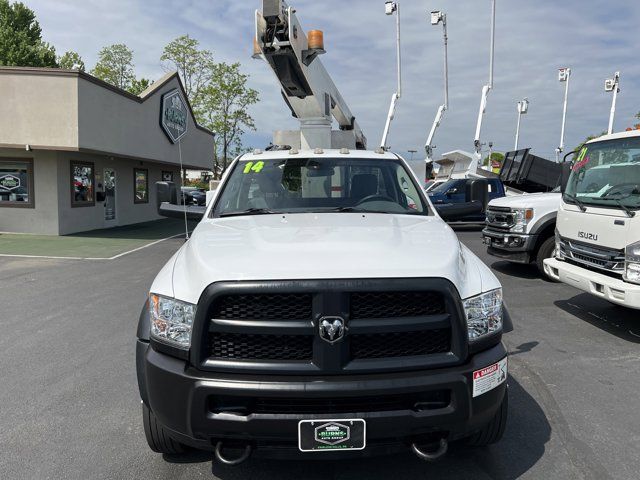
(395, 304)
(405, 344)
(599, 258)
(231, 346)
(279, 306)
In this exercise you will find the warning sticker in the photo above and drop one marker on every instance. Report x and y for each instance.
(489, 377)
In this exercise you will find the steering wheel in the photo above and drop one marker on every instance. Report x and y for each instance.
(376, 196)
(618, 187)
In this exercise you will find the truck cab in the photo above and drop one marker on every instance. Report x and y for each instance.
(598, 230)
(455, 191)
(296, 320)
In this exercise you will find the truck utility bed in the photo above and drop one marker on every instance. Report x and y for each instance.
(529, 173)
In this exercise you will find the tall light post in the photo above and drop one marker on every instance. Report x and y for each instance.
(389, 9)
(412, 152)
(612, 85)
(523, 108)
(564, 75)
(438, 17)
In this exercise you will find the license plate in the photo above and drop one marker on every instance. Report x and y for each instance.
(487, 240)
(331, 435)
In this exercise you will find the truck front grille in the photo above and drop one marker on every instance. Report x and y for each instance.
(589, 256)
(500, 218)
(386, 327)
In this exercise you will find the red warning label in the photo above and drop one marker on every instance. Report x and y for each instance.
(489, 377)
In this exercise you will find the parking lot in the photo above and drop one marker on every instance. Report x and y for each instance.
(69, 406)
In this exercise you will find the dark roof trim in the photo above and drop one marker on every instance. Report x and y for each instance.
(101, 83)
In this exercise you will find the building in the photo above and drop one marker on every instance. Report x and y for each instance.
(78, 154)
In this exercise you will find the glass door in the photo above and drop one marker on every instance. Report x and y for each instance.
(110, 197)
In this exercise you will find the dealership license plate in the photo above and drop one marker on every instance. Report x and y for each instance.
(487, 241)
(331, 435)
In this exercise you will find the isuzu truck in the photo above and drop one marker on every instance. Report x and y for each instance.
(597, 241)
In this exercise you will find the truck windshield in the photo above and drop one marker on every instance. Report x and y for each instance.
(444, 187)
(606, 174)
(301, 185)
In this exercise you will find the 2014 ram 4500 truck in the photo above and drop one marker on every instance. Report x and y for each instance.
(321, 307)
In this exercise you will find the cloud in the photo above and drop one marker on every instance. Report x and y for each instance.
(533, 39)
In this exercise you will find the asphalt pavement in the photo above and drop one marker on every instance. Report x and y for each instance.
(69, 406)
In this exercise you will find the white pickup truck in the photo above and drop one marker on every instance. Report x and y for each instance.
(521, 228)
(321, 304)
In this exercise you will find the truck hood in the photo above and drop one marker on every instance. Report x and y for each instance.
(321, 246)
(530, 200)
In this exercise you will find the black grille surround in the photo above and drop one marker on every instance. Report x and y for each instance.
(391, 325)
(500, 218)
(593, 257)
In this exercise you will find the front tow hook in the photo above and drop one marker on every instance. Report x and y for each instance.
(430, 455)
(231, 462)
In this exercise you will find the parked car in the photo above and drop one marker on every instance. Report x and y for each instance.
(194, 196)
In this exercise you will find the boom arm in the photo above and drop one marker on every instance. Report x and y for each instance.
(437, 17)
(306, 85)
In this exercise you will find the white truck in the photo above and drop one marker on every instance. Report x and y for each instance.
(598, 230)
(321, 308)
(521, 228)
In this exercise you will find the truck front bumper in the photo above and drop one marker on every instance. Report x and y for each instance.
(182, 399)
(514, 247)
(609, 288)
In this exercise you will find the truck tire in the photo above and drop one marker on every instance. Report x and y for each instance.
(157, 436)
(493, 431)
(545, 251)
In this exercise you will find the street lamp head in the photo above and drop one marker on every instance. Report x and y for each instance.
(436, 17)
(390, 8)
(523, 106)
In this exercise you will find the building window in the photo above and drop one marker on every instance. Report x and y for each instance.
(83, 181)
(167, 176)
(140, 185)
(16, 183)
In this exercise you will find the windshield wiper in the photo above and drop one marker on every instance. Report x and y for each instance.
(249, 211)
(580, 205)
(355, 210)
(630, 213)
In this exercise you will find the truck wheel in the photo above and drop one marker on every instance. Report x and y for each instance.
(545, 251)
(157, 437)
(493, 431)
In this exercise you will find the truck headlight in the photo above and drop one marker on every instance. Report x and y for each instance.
(171, 320)
(632, 263)
(521, 217)
(484, 314)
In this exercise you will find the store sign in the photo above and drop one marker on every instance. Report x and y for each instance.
(9, 182)
(173, 115)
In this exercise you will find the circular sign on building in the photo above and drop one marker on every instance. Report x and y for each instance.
(173, 115)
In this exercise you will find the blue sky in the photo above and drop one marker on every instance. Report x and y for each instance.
(533, 39)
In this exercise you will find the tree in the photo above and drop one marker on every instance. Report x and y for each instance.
(193, 65)
(139, 85)
(497, 156)
(589, 138)
(225, 109)
(71, 61)
(115, 66)
(21, 41)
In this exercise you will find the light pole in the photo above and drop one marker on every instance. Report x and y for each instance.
(564, 75)
(612, 85)
(389, 9)
(523, 108)
(412, 152)
(438, 17)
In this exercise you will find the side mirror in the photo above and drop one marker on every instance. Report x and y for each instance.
(167, 203)
(478, 191)
(566, 172)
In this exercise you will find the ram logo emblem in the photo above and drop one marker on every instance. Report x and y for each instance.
(331, 329)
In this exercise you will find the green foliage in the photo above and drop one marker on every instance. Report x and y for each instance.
(494, 156)
(192, 64)
(225, 109)
(115, 66)
(139, 85)
(21, 41)
(71, 61)
(589, 138)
